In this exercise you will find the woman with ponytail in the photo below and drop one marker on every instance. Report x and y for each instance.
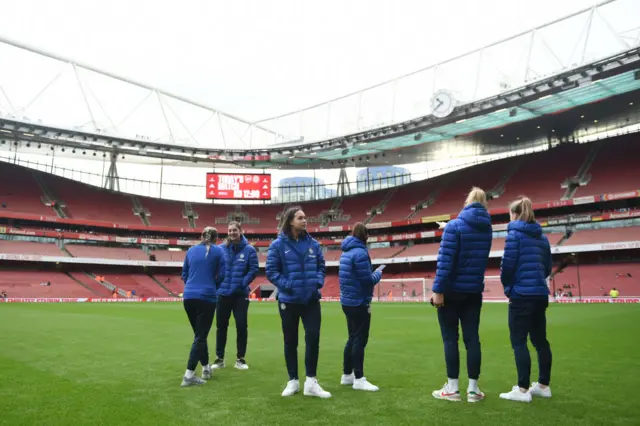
(457, 292)
(202, 272)
(526, 265)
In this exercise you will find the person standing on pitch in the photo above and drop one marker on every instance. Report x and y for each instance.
(241, 268)
(295, 265)
(457, 291)
(526, 264)
(357, 279)
(202, 271)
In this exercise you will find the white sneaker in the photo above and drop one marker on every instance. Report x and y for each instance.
(363, 384)
(241, 364)
(536, 390)
(475, 396)
(192, 381)
(447, 393)
(207, 372)
(313, 388)
(218, 363)
(347, 379)
(516, 395)
(293, 387)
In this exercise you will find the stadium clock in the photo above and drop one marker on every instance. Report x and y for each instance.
(442, 103)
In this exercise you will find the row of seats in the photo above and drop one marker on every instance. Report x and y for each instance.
(594, 280)
(29, 283)
(614, 169)
(579, 237)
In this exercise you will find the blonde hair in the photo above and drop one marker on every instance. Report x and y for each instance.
(476, 195)
(209, 236)
(523, 209)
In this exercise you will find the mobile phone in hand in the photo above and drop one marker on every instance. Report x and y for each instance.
(381, 268)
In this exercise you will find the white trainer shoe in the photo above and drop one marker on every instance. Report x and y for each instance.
(475, 396)
(217, 364)
(363, 384)
(192, 381)
(536, 390)
(293, 387)
(447, 393)
(241, 364)
(517, 395)
(313, 388)
(347, 379)
(207, 372)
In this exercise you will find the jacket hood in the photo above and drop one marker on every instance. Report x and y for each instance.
(352, 242)
(533, 229)
(477, 216)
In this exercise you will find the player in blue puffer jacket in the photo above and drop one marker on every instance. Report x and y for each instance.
(202, 271)
(295, 265)
(241, 261)
(457, 291)
(357, 279)
(526, 265)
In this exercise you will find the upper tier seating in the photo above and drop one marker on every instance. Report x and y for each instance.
(615, 168)
(539, 176)
(19, 191)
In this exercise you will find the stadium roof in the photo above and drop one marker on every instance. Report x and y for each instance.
(613, 76)
(585, 57)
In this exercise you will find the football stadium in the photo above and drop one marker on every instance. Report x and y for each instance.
(107, 181)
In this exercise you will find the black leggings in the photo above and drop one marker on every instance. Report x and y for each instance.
(200, 313)
(462, 308)
(527, 318)
(239, 305)
(291, 313)
(358, 325)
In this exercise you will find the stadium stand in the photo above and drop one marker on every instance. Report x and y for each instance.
(509, 178)
(171, 281)
(28, 283)
(91, 203)
(19, 191)
(28, 247)
(84, 250)
(164, 212)
(91, 283)
(597, 280)
(604, 235)
(611, 170)
(615, 168)
(142, 284)
(169, 256)
(560, 163)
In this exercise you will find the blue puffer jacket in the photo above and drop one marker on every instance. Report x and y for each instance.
(296, 268)
(526, 262)
(357, 278)
(464, 252)
(241, 261)
(202, 272)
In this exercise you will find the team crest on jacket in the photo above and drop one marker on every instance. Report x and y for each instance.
(283, 306)
(241, 255)
(311, 250)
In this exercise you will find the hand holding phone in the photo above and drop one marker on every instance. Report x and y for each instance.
(381, 268)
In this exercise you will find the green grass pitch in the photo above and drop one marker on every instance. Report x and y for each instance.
(112, 364)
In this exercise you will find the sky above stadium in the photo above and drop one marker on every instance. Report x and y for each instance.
(258, 59)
